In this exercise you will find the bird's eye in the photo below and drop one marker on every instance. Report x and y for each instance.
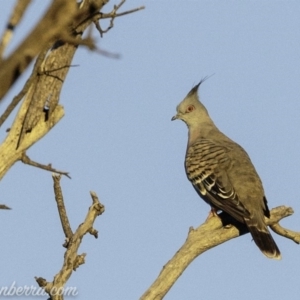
(190, 108)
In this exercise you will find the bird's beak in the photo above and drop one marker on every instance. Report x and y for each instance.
(174, 118)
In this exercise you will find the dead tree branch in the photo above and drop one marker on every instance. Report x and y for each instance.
(72, 260)
(61, 209)
(212, 233)
(63, 20)
(26, 160)
(40, 111)
(289, 234)
(112, 15)
(3, 206)
(14, 20)
(54, 23)
(16, 100)
(9, 155)
(61, 27)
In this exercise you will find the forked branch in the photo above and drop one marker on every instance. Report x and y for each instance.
(72, 260)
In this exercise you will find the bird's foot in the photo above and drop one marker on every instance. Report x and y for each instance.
(212, 213)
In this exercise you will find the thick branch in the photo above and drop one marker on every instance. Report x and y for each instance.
(29, 82)
(8, 152)
(39, 111)
(15, 18)
(208, 235)
(64, 22)
(52, 25)
(61, 20)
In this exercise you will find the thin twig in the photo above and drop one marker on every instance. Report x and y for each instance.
(112, 15)
(48, 72)
(26, 160)
(61, 208)
(3, 206)
(107, 16)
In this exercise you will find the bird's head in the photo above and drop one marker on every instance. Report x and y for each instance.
(190, 110)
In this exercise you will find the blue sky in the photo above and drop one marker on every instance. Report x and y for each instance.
(117, 139)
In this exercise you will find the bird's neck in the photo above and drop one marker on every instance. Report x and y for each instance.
(199, 131)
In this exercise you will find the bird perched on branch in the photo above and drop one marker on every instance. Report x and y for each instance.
(222, 173)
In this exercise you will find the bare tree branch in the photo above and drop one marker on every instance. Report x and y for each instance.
(62, 19)
(14, 20)
(61, 209)
(26, 160)
(213, 232)
(72, 260)
(50, 79)
(42, 91)
(289, 234)
(8, 152)
(3, 206)
(112, 15)
(26, 87)
(40, 111)
(54, 23)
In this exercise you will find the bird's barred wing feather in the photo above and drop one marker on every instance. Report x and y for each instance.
(206, 166)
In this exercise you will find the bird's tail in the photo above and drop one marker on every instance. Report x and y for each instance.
(262, 238)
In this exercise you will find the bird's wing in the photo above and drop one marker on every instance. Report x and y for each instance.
(206, 167)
